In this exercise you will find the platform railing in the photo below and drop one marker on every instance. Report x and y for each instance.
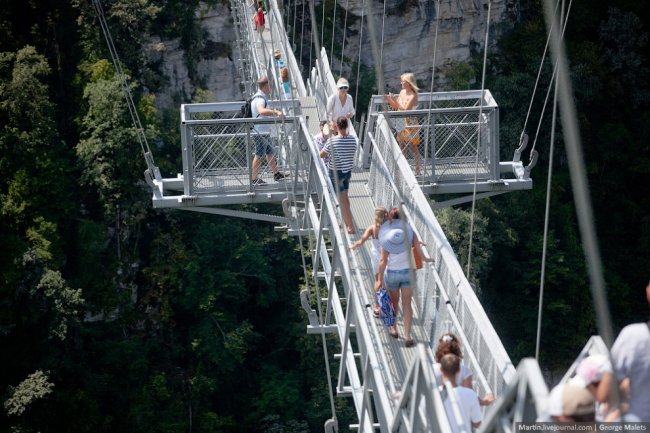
(218, 148)
(450, 136)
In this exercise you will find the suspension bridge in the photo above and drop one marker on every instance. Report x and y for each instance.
(459, 154)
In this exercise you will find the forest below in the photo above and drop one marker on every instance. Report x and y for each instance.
(115, 317)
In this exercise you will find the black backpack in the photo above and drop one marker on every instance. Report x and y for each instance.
(246, 110)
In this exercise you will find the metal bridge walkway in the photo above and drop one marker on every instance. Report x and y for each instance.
(457, 128)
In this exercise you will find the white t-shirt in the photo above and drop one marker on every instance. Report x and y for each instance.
(468, 405)
(260, 99)
(335, 109)
(631, 358)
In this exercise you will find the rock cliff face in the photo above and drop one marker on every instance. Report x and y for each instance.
(409, 34)
(216, 68)
(409, 29)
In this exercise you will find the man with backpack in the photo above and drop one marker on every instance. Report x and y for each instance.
(262, 132)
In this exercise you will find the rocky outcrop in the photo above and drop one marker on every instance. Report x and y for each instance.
(409, 29)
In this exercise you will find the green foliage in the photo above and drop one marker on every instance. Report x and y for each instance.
(63, 301)
(459, 76)
(35, 387)
(456, 224)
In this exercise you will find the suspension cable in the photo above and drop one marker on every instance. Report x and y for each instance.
(546, 219)
(345, 30)
(379, 70)
(295, 14)
(584, 209)
(322, 35)
(433, 74)
(356, 91)
(539, 73)
(383, 22)
(332, 50)
(302, 31)
(553, 77)
(478, 144)
(142, 138)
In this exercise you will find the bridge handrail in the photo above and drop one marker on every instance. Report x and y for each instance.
(476, 329)
(356, 294)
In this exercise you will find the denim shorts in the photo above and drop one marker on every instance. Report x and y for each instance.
(344, 180)
(263, 145)
(397, 279)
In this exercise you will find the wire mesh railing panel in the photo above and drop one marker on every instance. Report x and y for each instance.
(450, 137)
(221, 151)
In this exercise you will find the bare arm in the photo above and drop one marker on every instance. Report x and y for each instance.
(417, 244)
(264, 111)
(383, 261)
(365, 237)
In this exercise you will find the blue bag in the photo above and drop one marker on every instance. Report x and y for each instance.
(386, 311)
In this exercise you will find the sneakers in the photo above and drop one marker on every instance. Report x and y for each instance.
(277, 176)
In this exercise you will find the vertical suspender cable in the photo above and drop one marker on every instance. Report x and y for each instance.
(542, 277)
(379, 70)
(478, 144)
(381, 48)
(345, 28)
(356, 91)
(302, 30)
(322, 35)
(293, 27)
(332, 49)
(579, 182)
(433, 74)
(546, 218)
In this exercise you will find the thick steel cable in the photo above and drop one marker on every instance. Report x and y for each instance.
(548, 90)
(478, 144)
(539, 74)
(579, 183)
(142, 138)
(345, 30)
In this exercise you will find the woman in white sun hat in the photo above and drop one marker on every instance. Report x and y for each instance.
(395, 271)
(340, 104)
